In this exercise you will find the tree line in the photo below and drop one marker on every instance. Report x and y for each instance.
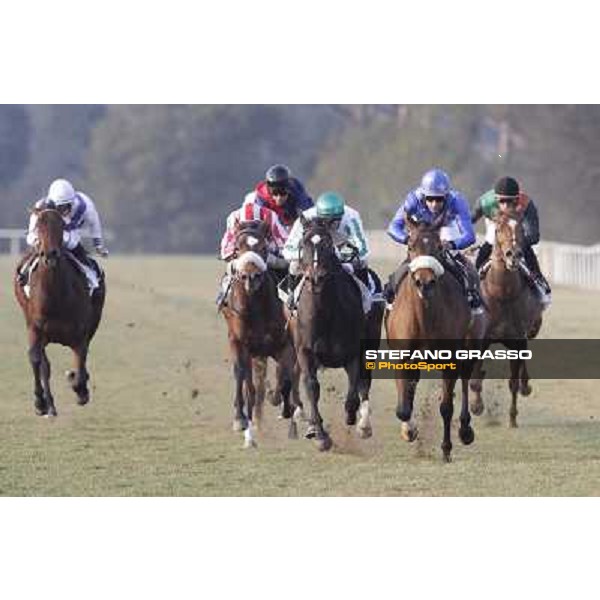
(165, 177)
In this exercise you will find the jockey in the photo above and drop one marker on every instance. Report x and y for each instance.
(277, 237)
(507, 198)
(79, 213)
(425, 204)
(282, 193)
(348, 236)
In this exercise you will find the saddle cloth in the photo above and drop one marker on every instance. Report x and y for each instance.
(91, 276)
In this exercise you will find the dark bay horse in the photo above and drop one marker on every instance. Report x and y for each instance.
(328, 328)
(59, 310)
(257, 328)
(514, 308)
(430, 306)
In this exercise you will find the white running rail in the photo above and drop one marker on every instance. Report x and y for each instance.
(563, 264)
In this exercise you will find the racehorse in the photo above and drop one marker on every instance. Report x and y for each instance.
(515, 311)
(328, 328)
(430, 311)
(59, 310)
(256, 328)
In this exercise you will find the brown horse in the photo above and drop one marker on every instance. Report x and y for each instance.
(256, 328)
(515, 311)
(430, 305)
(59, 310)
(328, 328)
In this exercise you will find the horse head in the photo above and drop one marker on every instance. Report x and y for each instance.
(508, 246)
(251, 246)
(252, 236)
(424, 253)
(50, 228)
(318, 258)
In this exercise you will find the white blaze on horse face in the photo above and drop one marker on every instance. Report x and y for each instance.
(315, 239)
(251, 241)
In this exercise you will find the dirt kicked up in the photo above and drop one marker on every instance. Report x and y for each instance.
(159, 420)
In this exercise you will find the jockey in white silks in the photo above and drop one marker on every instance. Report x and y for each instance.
(80, 217)
(346, 231)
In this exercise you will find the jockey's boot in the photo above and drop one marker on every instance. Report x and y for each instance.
(468, 279)
(23, 277)
(394, 281)
(221, 300)
(475, 301)
(292, 283)
(538, 282)
(543, 288)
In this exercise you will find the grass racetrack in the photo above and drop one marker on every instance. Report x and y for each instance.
(159, 421)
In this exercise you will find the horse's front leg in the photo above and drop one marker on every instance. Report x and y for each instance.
(45, 376)
(466, 433)
(249, 440)
(447, 410)
(240, 422)
(35, 359)
(513, 386)
(259, 370)
(311, 384)
(352, 403)
(524, 388)
(476, 384)
(406, 390)
(78, 378)
(284, 380)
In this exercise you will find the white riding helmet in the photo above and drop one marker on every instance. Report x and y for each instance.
(61, 192)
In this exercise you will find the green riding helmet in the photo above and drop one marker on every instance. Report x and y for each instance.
(330, 206)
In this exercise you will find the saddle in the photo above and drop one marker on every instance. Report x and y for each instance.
(93, 275)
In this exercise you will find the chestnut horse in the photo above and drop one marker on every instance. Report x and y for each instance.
(59, 310)
(515, 311)
(431, 312)
(256, 328)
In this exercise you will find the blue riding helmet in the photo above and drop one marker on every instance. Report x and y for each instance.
(435, 183)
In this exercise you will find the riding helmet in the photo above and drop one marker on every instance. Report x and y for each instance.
(278, 176)
(435, 183)
(507, 187)
(330, 205)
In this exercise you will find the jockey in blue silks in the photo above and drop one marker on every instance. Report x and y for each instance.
(424, 205)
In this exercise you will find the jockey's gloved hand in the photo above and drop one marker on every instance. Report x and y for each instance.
(448, 246)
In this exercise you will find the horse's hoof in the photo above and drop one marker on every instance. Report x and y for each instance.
(274, 398)
(83, 400)
(311, 432)
(287, 412)
(408, 433)
(513, 424)
(447, 459)
(351, 418)
(238, 425)
(477, 408)
(525, 390)
(467, 435)
(365, 432)
(250, 444)
(324, 444)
